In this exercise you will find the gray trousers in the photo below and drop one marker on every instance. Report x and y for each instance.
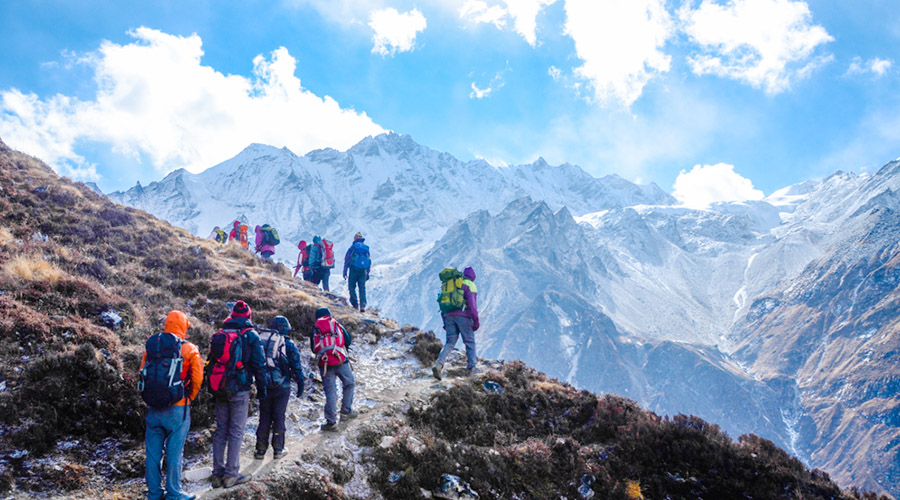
(231, 418)
(329, 383)
(457, 326)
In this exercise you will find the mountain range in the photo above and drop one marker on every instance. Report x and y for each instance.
(776, 317)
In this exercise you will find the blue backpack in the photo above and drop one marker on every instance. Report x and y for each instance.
(360, 258)
(161, 385)
(277, 364)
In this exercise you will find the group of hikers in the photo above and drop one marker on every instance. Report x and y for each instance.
(315, 260)
(241, 354)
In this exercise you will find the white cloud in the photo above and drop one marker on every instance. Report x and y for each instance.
(766, 43)
(496, 83)
(155, 101)
(875, 66)
(554, 73)
(395, 32)
(341, 11)
(706, 184)
(522, 13)
(619, 42)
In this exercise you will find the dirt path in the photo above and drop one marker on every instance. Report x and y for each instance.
(388, 379)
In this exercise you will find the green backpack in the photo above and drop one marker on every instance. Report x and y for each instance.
(270, 235)
(451, 297)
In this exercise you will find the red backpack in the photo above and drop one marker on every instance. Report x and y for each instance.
(328, 260)
(225, 346)
(329, 342)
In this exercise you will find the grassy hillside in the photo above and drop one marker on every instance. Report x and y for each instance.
(83, 283)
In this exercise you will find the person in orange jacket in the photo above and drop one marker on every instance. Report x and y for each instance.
(168, 401)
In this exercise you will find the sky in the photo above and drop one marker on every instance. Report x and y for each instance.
(711, 100)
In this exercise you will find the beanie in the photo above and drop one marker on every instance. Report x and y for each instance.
(240, 310)
(281, 324)
(322, 311)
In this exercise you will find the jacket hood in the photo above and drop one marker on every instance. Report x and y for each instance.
(258, 229)
(317, 240)
(302, 244)
(237, 223)
(360, 239)
(322, 311)
(177, 324)
(469, 273)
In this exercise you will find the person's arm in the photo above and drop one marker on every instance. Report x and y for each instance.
(347, 257)
(195, 365)
(257, 363)
(296, 366)
(348, 338)
(471, 306)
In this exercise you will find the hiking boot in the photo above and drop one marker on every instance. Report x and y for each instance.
(280, 454)
(362, 309)
(259, 455)
(472, 372)
(231, 482)
(349, 416)
(329, 427)
(436, 371)
(215, 482)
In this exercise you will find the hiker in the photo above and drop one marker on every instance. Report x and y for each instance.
(235, 233)
(266, 239)
(235, 356)
(356, 265)
(282, 366)
(303, 262)
(462, 320)
(169, 412)
(318, 263)
(329, 341)
(218, 235)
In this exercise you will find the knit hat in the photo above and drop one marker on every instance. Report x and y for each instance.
(358, 236)
(281, 324)
(241, 310)
(322, 311)
(237, 223)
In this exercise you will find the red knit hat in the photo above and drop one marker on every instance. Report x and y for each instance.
(240, 310)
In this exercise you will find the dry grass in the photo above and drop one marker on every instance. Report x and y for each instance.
(34, 269)
(6, 237)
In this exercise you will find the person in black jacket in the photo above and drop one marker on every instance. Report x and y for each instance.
(282, 367)
(231, 412)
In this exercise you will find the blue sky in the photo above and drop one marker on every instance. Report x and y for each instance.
(733, 99)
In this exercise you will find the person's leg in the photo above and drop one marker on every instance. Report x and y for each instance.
(330, 386)
(345, 373)
(180, 421)
(362, 290)
(468, 336)
(154, 437)
(279, 409)
(326, 275)
(220, 436)
(265, 421)
(352, 278)
(239, 406)
(450, 327)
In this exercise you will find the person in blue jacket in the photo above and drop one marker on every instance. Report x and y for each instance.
(356, 266)
(282, 369)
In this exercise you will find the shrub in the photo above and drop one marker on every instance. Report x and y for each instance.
(26, 268)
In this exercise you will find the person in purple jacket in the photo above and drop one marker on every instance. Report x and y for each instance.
(461, 322)
(264, 249)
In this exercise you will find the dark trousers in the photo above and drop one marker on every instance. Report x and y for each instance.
(271, 416)
(321, 274)
(357, 278)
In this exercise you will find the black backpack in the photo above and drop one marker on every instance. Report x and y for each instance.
(270, 235)
(160, 384)
(275, 349)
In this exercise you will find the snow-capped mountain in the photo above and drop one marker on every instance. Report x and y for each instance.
(600, 282)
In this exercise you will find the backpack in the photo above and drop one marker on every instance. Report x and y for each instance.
(161, 384)
(452, 296)
(304, 256)
(225, 347)
(270, 235)
(221, 236)
(277, 365)
(329, 253)
(360, 258)
(330, 342)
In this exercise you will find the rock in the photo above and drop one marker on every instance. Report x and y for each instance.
(415, 446)
(371, 338)
(38, 236)
(196, 475)
(387, 442)
(111, 319)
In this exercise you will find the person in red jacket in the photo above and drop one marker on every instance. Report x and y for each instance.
(235, 233)
(167, 428)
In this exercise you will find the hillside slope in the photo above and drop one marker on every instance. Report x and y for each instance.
(84, 282)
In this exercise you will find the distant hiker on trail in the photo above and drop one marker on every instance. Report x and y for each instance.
(321, 260)
(329, 341)
(266, 239)
(218, 235)
(303, 262)
(459, 309)
(282, 366)
(235, 233)
(235, 357)
(357, 262)
(168, 400)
